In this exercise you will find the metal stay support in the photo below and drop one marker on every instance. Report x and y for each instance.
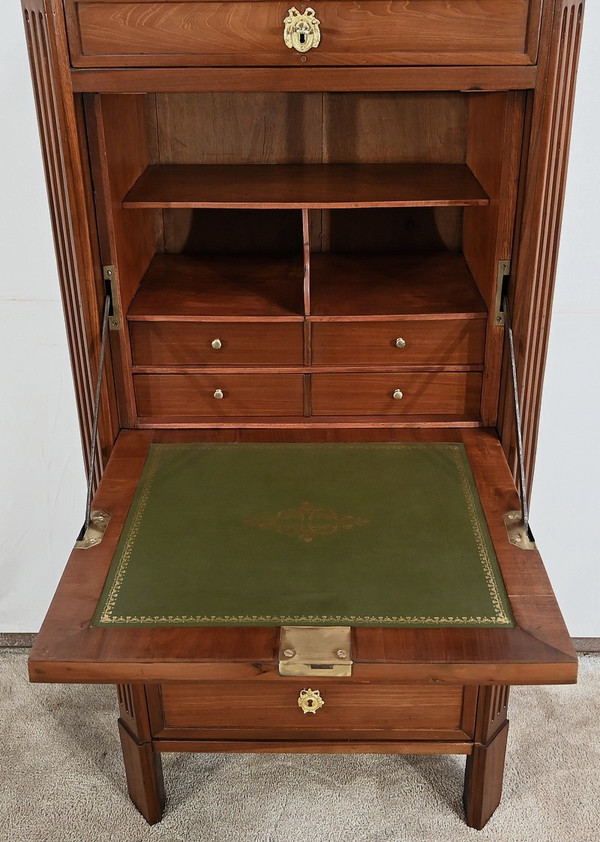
(96, 521)
(517, 523)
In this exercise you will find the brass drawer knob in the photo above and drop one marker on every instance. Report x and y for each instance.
(400, 343)
(216, 344)
(398, 395)
(301, 30)
(218, 394)
(309, 701)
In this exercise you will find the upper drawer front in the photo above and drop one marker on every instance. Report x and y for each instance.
(216, 343)
(230, 711)
(250, 32)
(402, 342)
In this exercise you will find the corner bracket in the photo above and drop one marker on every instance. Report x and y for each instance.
(518, 534)
(94, 533)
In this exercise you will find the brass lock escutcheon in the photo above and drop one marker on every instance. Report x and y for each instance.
(301, 30)
(309, 701)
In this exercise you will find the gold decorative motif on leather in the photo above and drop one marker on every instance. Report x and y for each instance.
(309, 701)
(301, 30)
(306, 522)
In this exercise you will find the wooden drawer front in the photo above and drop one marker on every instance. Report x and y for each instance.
(193, 395)
(439, 341)
(193, 343)
(423, 393)
(379, 32)
(350, 711)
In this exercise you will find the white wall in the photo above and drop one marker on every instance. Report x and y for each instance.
(41, 474)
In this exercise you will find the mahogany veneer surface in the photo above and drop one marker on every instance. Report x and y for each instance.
(192, 286)
(408, 284)
(305, 186)
(251, 33)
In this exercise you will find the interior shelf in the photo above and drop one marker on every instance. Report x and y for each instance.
(305, 186)
(343, 285)
(180, 286)
(374, 284)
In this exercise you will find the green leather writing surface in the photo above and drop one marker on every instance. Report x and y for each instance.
(283, 534)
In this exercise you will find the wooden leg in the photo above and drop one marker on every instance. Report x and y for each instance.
(143, 769)
(485, 766)
(143, 766)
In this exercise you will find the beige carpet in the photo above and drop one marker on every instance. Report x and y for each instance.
(62, 778)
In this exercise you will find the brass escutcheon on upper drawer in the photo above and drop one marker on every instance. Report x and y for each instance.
(301, 31)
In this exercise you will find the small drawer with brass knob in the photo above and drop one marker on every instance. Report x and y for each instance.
(450, 393)
(216, 343)
(424, 341)
(195, 396)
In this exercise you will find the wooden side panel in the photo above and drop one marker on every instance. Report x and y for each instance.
(494, 155)
(81, 285)
(127, 240)
(533, 281)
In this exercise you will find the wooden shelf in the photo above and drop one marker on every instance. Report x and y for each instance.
(306, 186)
(186, 287)
(371, 284)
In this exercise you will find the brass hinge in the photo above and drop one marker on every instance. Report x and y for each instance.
(501, 279)
(110, 277)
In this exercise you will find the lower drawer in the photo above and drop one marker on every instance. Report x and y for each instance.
(218, 395)
(407, 393)
(350, 711)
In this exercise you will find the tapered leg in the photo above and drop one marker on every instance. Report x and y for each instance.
(143, 767)
(485, 766)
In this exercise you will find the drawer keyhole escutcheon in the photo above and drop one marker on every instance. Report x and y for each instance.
(398, 395)
(400, 343)
(301, 31)
(216, 344)
(218, 394)
(309, 701)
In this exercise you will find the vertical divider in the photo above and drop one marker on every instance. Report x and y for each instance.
(307, 324)
(306, 252)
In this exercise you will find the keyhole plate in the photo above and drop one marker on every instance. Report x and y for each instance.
(301, 31)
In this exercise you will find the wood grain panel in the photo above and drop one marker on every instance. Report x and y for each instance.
(211, 287)
(412, 283)
(446, 393)
(372, 127)
(354, 711)
(303, 78)
(188, 396)
(242, 33)
(178, 343)
(306, 186)
(441, 341)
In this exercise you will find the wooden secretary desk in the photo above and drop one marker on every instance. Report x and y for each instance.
(306, 227)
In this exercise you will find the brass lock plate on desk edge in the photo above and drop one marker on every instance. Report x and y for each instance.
(315, 650)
